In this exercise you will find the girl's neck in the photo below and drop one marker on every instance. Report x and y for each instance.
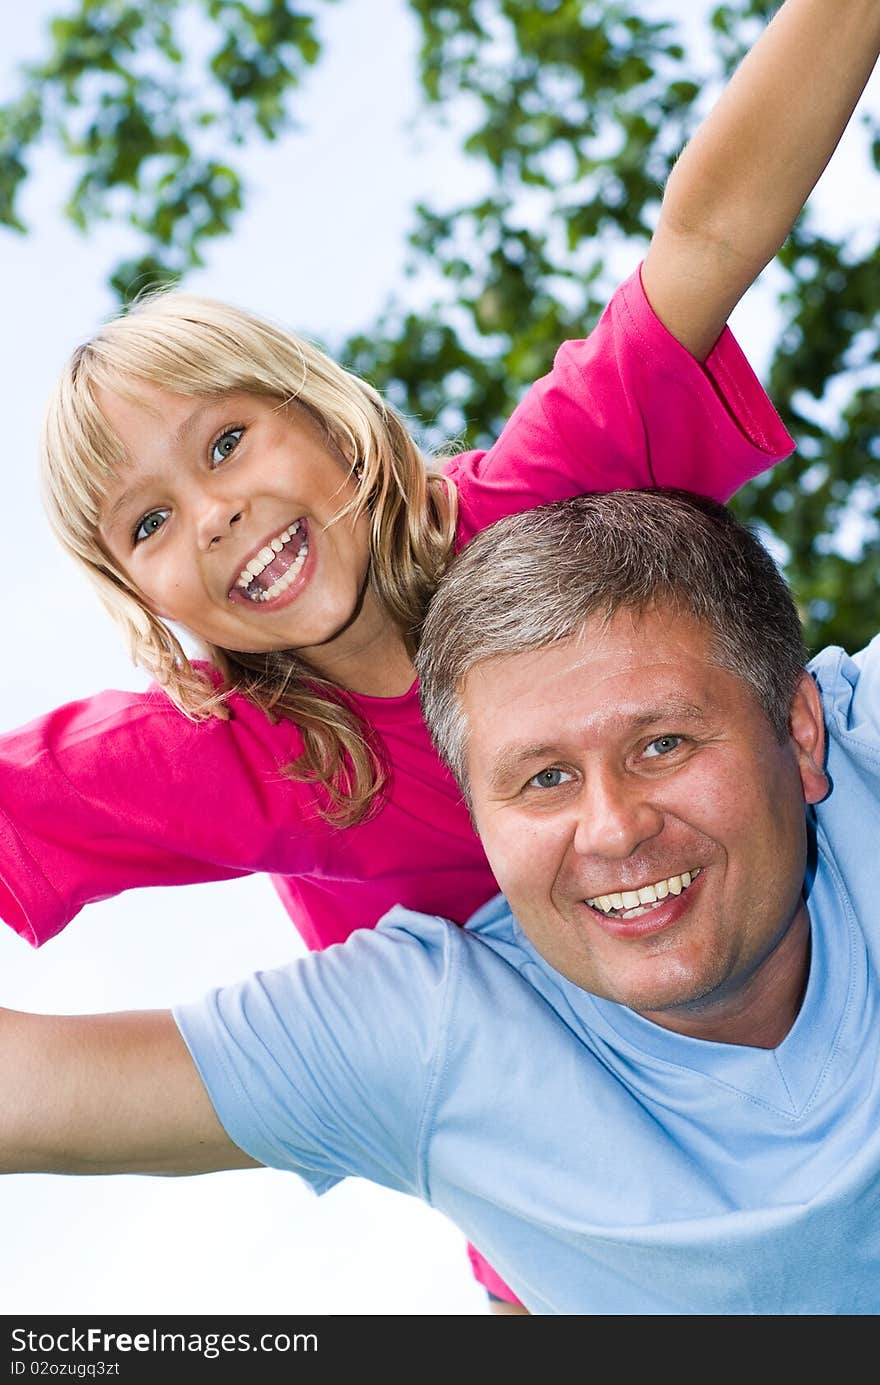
(370, 657)
(374, 671)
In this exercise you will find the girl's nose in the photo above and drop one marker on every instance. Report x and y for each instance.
(216, 521)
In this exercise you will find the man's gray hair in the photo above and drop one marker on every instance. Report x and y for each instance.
(534, 578)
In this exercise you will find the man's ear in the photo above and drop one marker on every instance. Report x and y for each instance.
(807, 730)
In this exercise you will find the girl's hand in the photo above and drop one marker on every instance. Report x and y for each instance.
(743, 179)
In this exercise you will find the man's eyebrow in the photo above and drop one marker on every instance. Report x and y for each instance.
(513, 757)
(177, 439)
(675, 710)
(677, 707)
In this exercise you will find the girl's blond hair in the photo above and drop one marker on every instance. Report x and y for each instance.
(199, 347)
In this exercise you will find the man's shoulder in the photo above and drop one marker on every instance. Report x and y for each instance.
(850, 688)
(436, 950)
(848, 817)
(433, 932)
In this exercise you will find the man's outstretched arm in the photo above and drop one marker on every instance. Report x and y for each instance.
(101, 1094)
(741, 182)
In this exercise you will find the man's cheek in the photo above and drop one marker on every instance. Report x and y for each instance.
(716, 797)
(514, 860)
(506, 864)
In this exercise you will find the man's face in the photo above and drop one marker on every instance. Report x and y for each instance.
(639, 812)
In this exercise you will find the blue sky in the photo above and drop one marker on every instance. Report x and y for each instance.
(320, 246)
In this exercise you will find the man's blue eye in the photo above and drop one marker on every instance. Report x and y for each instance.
(226, 445)
(149, 524)
(663, 745)
(549, 779)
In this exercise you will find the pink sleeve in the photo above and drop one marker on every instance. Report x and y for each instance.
(122, 791)
(626, 407)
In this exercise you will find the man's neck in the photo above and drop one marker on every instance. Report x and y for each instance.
(760, 1013)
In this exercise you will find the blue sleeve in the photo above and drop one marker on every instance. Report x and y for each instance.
(867, 698)
(850, 685)
(847, 818)
(326, 1067)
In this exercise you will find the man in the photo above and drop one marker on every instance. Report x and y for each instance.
(643, 1080)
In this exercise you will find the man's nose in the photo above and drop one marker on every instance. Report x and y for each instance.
(216, 519)
(616, 815)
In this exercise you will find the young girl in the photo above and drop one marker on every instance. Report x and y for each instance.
(216, 474)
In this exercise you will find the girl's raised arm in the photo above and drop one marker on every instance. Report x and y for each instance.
(743, 179)
(116, 1093)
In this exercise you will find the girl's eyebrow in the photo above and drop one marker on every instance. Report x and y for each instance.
(177, 439)
(184, 430)
(123, 502)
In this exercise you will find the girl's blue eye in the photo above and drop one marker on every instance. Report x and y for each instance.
(663, 745)
(149, 524)
(226, 445)
(549, 779)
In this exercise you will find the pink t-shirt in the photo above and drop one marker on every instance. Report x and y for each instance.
(121, 791)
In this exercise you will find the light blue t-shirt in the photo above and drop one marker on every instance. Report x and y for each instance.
(602, 1164)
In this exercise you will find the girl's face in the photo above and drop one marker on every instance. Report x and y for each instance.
(222, 515)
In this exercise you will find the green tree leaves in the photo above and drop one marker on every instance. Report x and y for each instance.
(147, 101)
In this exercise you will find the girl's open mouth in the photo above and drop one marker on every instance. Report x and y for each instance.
(274, 569)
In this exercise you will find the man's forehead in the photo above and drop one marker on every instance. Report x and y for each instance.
(598, 648)
(617, 680)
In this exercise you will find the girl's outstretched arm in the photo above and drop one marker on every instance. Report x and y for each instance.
(741, 182)
(103, 1094)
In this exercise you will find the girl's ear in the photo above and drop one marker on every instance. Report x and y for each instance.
(807, 730)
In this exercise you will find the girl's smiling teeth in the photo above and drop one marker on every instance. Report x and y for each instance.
(631, 904)
(276, 566)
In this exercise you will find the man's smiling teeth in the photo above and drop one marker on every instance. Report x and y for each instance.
(629, 904)
(247, 578)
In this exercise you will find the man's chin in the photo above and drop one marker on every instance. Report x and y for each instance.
(660, 998)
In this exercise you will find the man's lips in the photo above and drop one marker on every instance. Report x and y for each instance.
(273, 568)
(633, 914)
